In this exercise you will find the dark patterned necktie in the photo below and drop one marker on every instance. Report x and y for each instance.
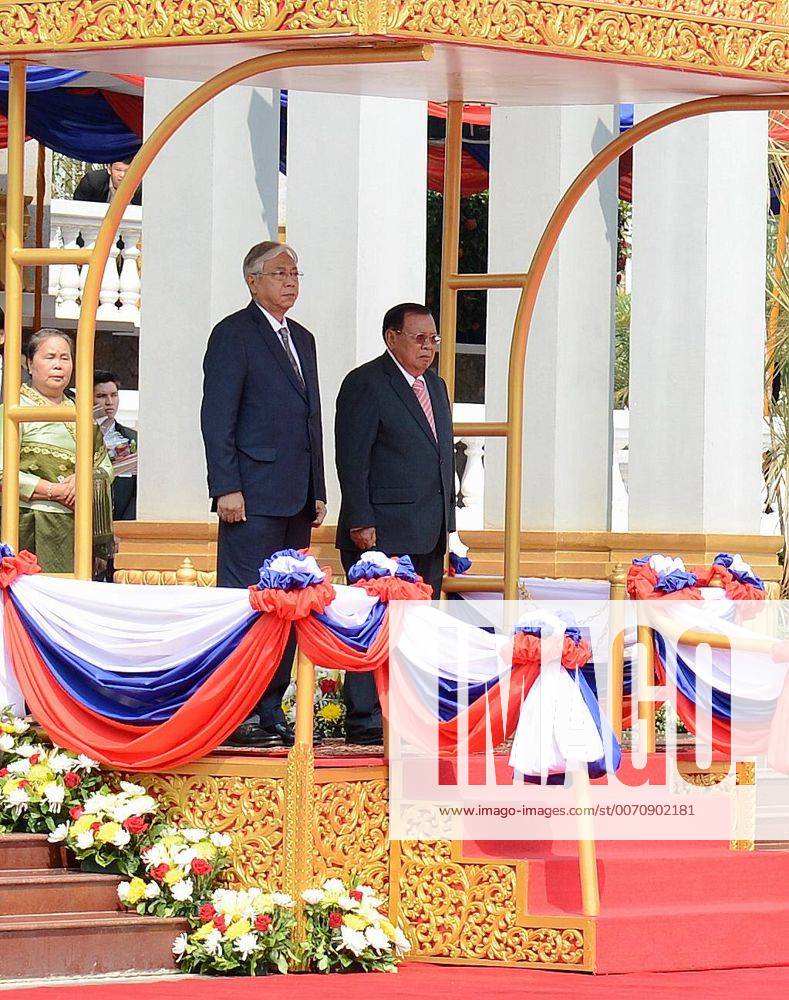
(285, 341)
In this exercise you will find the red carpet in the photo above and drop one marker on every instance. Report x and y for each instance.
(445, 983)
(667, 905)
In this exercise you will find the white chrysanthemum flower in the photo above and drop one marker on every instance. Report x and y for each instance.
(377, 939)
(6, 742)
(132, 789)
(182, 890)
(139, 805)
(213, 943)
(54, 793)
(184, 856)
(59, 834)
(402, 944)
(245, 944)
(192, 835)
(156, 855)
(333, 885)
(123, 891)
(222, 840)
(60, 762)
(85, 763)
(313, 896)
(346, 903)
(152, 890)
(85, 840)
(21, 766)
(20, 726)
(353, 941)
(98, 803)
(18, 798)
(121, 838)
(179, 945)
(281, 899)
(27, 750)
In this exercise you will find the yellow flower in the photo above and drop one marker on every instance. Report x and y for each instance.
(237, 929)
(174, 875)
(136, 890)
(203, 931)
(40, 774)
(85, 822)
(11, 785)
(205, 850)
(331, 712)
(355, 921)
(388, 928)
(262, 903)
(107, 832)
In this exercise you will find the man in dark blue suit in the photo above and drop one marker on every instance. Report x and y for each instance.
(261, 424)
(396, 465)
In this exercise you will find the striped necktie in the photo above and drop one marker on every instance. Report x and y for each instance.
(421, 393)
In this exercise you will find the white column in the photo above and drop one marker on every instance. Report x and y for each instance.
(535, 155)
(209, 196)
(356, 215)
(697, 333)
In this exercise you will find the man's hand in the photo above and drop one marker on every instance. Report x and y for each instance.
(363, 538)
(320, 513)
(230, 508)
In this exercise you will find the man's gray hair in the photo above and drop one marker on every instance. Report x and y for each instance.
(267, 250)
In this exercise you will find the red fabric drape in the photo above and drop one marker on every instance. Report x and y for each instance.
(128, 107)
(474, 178)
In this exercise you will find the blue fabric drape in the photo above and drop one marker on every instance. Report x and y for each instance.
(82, 126)
(356, 637)
(40, 78)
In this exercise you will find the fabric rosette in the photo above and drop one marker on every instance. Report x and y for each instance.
(527, 640)
(658, 577)
(389, 579)
(292, 586)
(14, 565)
(735, 576)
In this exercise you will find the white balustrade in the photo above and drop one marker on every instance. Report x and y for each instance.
(119, 297)
(471, 485)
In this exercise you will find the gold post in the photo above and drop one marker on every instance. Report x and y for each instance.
(775, 306)
(616, 664)
(305, 698)
(646, 676)
(12, 357)
(450, 240)
(587, 850)
(484, 282)
(41, 190)
(105, 239)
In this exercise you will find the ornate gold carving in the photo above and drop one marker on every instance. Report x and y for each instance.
(468, 911)
(53, 24)
(299, 811)
(160, 578)
(625, 31)
(251, 810)
(351, 832)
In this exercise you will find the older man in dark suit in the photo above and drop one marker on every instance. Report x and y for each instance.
(395, 461)
(261, 423)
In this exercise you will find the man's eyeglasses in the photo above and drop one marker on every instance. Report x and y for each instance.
(423, 339)
(280, 275)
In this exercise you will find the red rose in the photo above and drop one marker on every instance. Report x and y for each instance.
(335, 919)
(206, 912)
(327, 685)
(71, 779)
(220, 923)
(34, 758)
(262, 922)
(355, 894)
(3, 772)
(159, 872)
(200, 866)
(76, 811)
(135, 825)
(95, 826)
(24, 783)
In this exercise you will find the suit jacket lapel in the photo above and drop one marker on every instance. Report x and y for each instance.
(271, 340)
(441, 413)
(406, 393)
(308, 370)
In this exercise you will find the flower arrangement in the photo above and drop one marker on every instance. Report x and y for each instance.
(329, 705)
(244, 932)
(111, 829)
(182, 866)
(345, 930)
(38, 784)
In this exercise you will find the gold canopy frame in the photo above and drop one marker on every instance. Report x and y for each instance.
(366, 35)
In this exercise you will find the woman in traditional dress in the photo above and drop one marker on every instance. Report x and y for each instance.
(47, 457)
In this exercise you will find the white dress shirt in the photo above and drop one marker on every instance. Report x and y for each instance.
(277, 326)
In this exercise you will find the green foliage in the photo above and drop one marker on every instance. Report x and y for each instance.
(622, 351)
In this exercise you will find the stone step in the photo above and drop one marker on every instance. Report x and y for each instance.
(80, 944)
(30, 850)
(51, 891)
